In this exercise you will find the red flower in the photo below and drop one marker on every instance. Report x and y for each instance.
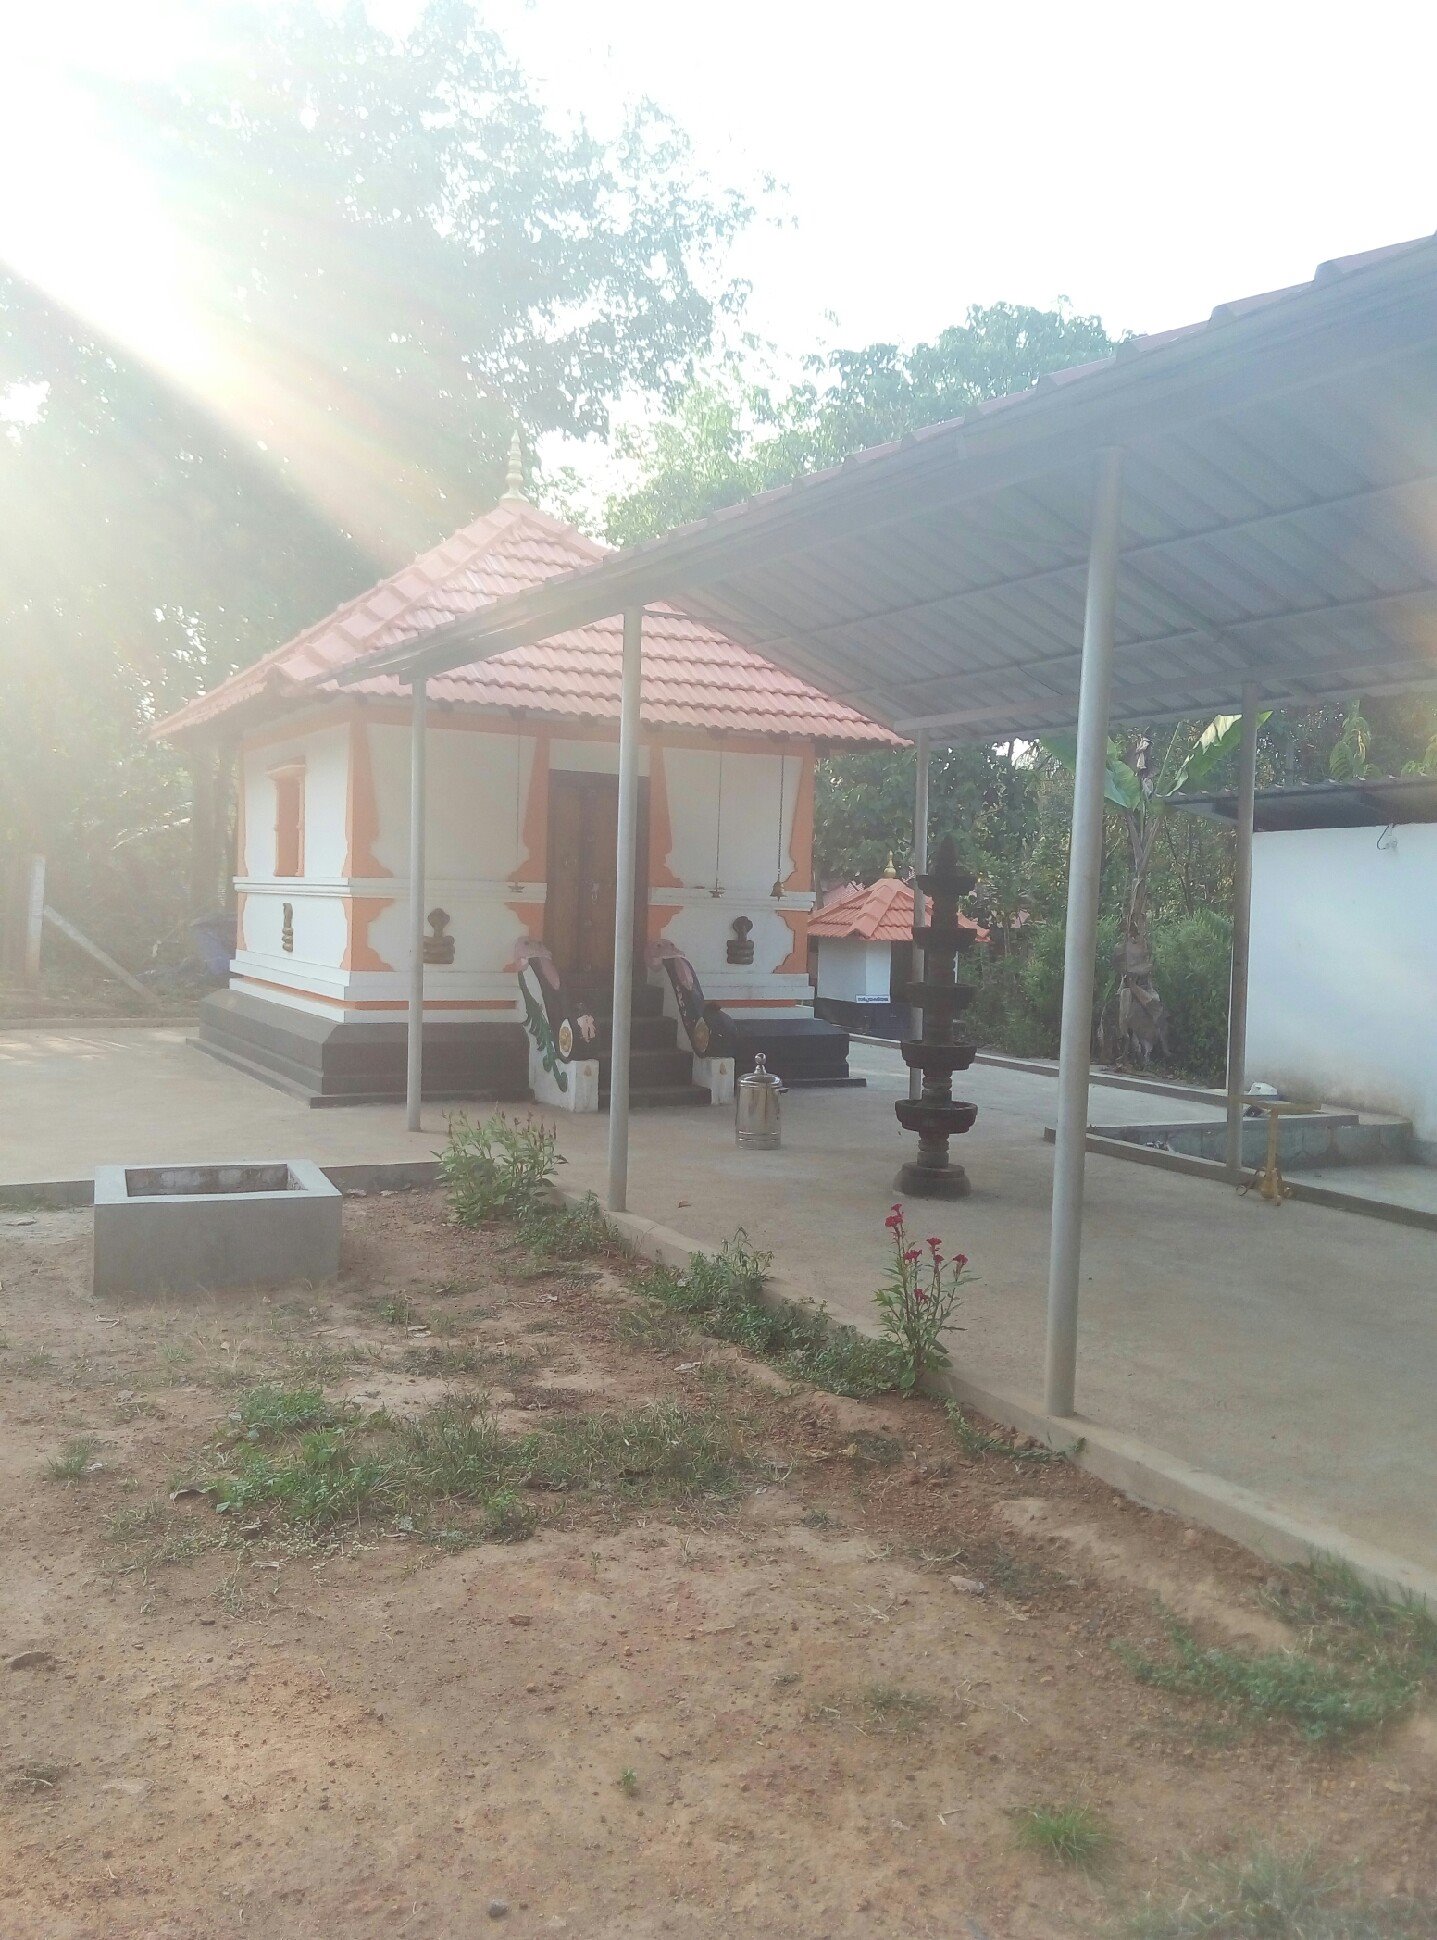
(913, 1253)
(960, 1260)
(921, 1297)
(894, 1222)
(935, 1244)
(897, 1206)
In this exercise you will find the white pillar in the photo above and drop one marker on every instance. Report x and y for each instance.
(414, 1072)
(920, 865)
(1084, 870)
(624, 898)
(1241, 931)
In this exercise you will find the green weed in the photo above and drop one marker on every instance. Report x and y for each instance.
(557, 1232)
(722, 1293)
(327, 1481)
(891, 1708)
(72, 1464)
(503, 1168)
(628, 1781)
(1323, 1696)
(1074, 1835)
(977, 1442)
(272, 1410)
(1270, 1896)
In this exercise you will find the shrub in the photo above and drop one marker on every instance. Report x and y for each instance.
(917, 1302)
(503, 1168)
(1192, 966)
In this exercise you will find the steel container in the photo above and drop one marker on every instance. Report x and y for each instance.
(756, 1114)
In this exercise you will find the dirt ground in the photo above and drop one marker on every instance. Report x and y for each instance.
(773, 1715)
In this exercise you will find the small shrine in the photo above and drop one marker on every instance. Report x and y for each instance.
(935, 1114)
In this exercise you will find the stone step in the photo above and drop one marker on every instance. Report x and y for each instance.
(652, 1096)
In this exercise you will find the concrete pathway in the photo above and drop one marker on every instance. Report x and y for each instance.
(1289, 1350)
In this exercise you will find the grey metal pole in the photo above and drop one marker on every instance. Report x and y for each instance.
(620, 1031)
(920, 865)
(34, 921)
(1084, 870)
(414, 1070)
(1241, 931)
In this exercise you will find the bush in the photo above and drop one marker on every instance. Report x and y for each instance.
(503, 1168)
(1192, 967)
(1019, 1006)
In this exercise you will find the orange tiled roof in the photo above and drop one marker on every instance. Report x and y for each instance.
(694, 677)
(881, 913)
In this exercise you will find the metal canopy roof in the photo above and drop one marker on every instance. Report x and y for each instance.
(1279, 526)
(1378, 803)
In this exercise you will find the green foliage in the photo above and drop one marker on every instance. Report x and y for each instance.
(1362, 1662)
(1074, 1835)
(73, 1462)
(1192, 963)
(270, 1410)
(917, 1302)
(1277, 1896)
(503, 1168)
(976, 1442)
(373, 230)
(326, 1482)
(722, 1293)
(582, 1232)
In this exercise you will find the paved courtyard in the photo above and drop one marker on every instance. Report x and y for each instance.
(1290, 1351)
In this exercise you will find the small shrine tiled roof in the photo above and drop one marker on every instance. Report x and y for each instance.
(880, 913)
(694, 677)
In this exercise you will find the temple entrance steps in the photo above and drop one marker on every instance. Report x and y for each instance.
(660, 1067)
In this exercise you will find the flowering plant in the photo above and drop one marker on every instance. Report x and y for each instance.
(917, 1301)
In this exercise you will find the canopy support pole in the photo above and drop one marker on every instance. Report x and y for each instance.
(414, 1067)
(1241, 931)
(920, 867)
(1085, 863)
(624, 899)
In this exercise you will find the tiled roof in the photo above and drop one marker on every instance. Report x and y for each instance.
(881, 913)
(693, 676)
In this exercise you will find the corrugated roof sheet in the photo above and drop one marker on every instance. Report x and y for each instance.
(880, 913)
(1279, 528)
(693, 676)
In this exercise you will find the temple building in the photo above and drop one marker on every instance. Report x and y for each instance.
(520, 806)
(860, 946)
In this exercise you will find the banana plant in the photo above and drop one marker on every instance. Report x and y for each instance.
(1141, 777)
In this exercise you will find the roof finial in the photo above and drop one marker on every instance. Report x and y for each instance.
(514, 476)
(890, 870)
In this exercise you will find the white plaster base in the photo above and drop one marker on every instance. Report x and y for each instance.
(581, 1092)
(715, 1076)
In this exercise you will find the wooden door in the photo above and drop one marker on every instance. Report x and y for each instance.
(583, 873)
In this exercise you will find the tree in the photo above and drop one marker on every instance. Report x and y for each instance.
(396, 260)
(1141, 777)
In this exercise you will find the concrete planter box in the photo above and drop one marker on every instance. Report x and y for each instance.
(197, 1228)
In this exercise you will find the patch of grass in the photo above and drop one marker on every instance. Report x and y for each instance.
(508, 1518)
(1271, 1896)
(1323, 1696)
(722, 1293)
(330, 1479)
(1073, 1835)
(628, 1781)
(1361, 1661)
(891, 1708)
(137, 1520)
(36, 1777)
(396, 1311)
(655, 1328)
(38, 1361)
(582, 1232)
(665, 1452)
(72, 1464)
(271, 1410)
(467, 1360)
(976, 1442)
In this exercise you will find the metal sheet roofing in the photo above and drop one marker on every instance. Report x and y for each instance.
(1375, 803)
(1279, 527)
(693, 676)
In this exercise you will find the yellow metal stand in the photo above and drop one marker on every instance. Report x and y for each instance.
(1268, 1179)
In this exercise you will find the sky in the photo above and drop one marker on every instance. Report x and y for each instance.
(1145, 161)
